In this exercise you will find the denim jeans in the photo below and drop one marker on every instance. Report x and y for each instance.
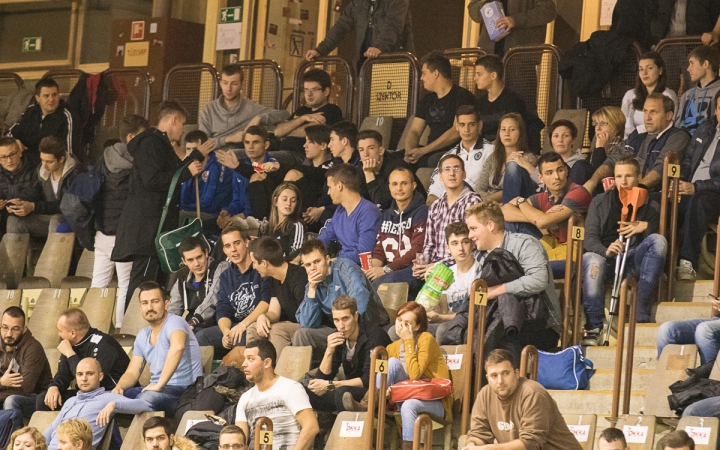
(409, 409)
(709, 407)
(517, 183)
(165, 400)
(702, 332)
(23, 404)
(702, 209)
(646, 259)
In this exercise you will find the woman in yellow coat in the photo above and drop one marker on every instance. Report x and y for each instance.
(416, 355)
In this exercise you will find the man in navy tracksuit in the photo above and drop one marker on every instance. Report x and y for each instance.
(242, 296)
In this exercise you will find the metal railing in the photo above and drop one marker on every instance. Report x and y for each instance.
(129, 94)
(193, 86)
(462, 62)
(674, 52)
(377, 355)
(10, 83)
(262, 82)
(263, 437)
(573, 291)
(669, 214)
(389, 86)
(628, 285)
(478, 299)
(532, 72)
(422, 431)
(529, 360)
(342, 75)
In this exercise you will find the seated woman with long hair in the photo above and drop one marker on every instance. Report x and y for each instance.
(416, 355)
(652, 77)
(507, 174)
(609, 124)
(285, 222)
(563, 134)
(27, 438)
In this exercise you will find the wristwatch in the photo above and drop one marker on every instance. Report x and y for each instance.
(331, 387)
(387, 269)
(521, 200)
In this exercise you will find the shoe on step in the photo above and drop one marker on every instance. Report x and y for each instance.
(685, 271)
(591, 337)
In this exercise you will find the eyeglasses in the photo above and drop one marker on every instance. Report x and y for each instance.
(600, 124)
(13, 330)
(312, 91)
(449, 169)
(10, 156)
(232, 446)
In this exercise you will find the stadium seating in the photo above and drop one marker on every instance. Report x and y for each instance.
(54, 261)
(294, 362)
(13, 254)
(393, 296)
(189, 419)
(47, 310)
(134, 438)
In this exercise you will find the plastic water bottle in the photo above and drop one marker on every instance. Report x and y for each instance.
(440, 278)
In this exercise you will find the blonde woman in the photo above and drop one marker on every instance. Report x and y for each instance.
(28, 438)
(74, 434)
(609, 124)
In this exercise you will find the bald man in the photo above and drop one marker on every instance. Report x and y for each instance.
(92, 403)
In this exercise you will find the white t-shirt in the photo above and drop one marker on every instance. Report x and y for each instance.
(635, 118)
(474, 161)
(55, 184)
(280, 404)
(458, 292)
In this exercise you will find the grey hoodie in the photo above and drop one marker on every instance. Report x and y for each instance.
(219, 122)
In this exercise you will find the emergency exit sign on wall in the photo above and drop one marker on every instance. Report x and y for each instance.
(32, 44)
(230, 15)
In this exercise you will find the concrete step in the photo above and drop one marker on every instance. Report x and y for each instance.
(682, 311)
(596, 402)
(693, 291)
(645, 334)
(602, 357)
(602, 380)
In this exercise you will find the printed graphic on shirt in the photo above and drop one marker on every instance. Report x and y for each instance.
(505, 426)
(398, 243)
(242, 300)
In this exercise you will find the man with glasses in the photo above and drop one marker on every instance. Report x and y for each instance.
(316, 90)
(18, 179)
(232, 437)
(280, 399)
(449, 208)
(23, 364)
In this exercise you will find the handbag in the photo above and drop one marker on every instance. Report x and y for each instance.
(167, 243)
(566, 370)
(422, 389)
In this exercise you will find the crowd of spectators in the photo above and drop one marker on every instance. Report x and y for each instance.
(305, 218)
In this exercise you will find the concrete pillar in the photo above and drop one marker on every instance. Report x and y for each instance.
(162, 8)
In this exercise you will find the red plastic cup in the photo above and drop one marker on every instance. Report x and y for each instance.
(608, 183)
(365, 260)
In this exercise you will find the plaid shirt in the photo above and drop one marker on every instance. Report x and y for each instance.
(440, 216)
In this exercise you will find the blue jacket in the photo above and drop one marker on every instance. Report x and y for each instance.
(357, 233)
(87, 405)
(240, 201)
(703, 138)
(239, 293)
(216, 188)
(346, 278)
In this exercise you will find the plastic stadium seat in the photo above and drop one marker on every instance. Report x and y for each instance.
(9, 297)
(701, 429)
(644, 421)
(670, 368)
(133, 321)
(42, 419)
(206, 356)
(294, 362)
(193, 417)
(335, 442)
(43, 320)
(134, 438)
(99, 306)
(393, 296)
(585, 436)
(381, 124)
(53, 357)
(13, 254)
(54, 262)
(425, 176)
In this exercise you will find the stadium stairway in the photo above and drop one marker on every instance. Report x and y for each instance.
(691, 302)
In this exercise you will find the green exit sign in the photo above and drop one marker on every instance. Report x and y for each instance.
(230, 15)
(32, 44)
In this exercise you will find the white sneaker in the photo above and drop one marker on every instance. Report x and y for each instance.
(685, 271)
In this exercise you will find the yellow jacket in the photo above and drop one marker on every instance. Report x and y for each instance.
(427, 362)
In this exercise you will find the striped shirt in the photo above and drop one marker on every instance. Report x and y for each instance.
(440, 216)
